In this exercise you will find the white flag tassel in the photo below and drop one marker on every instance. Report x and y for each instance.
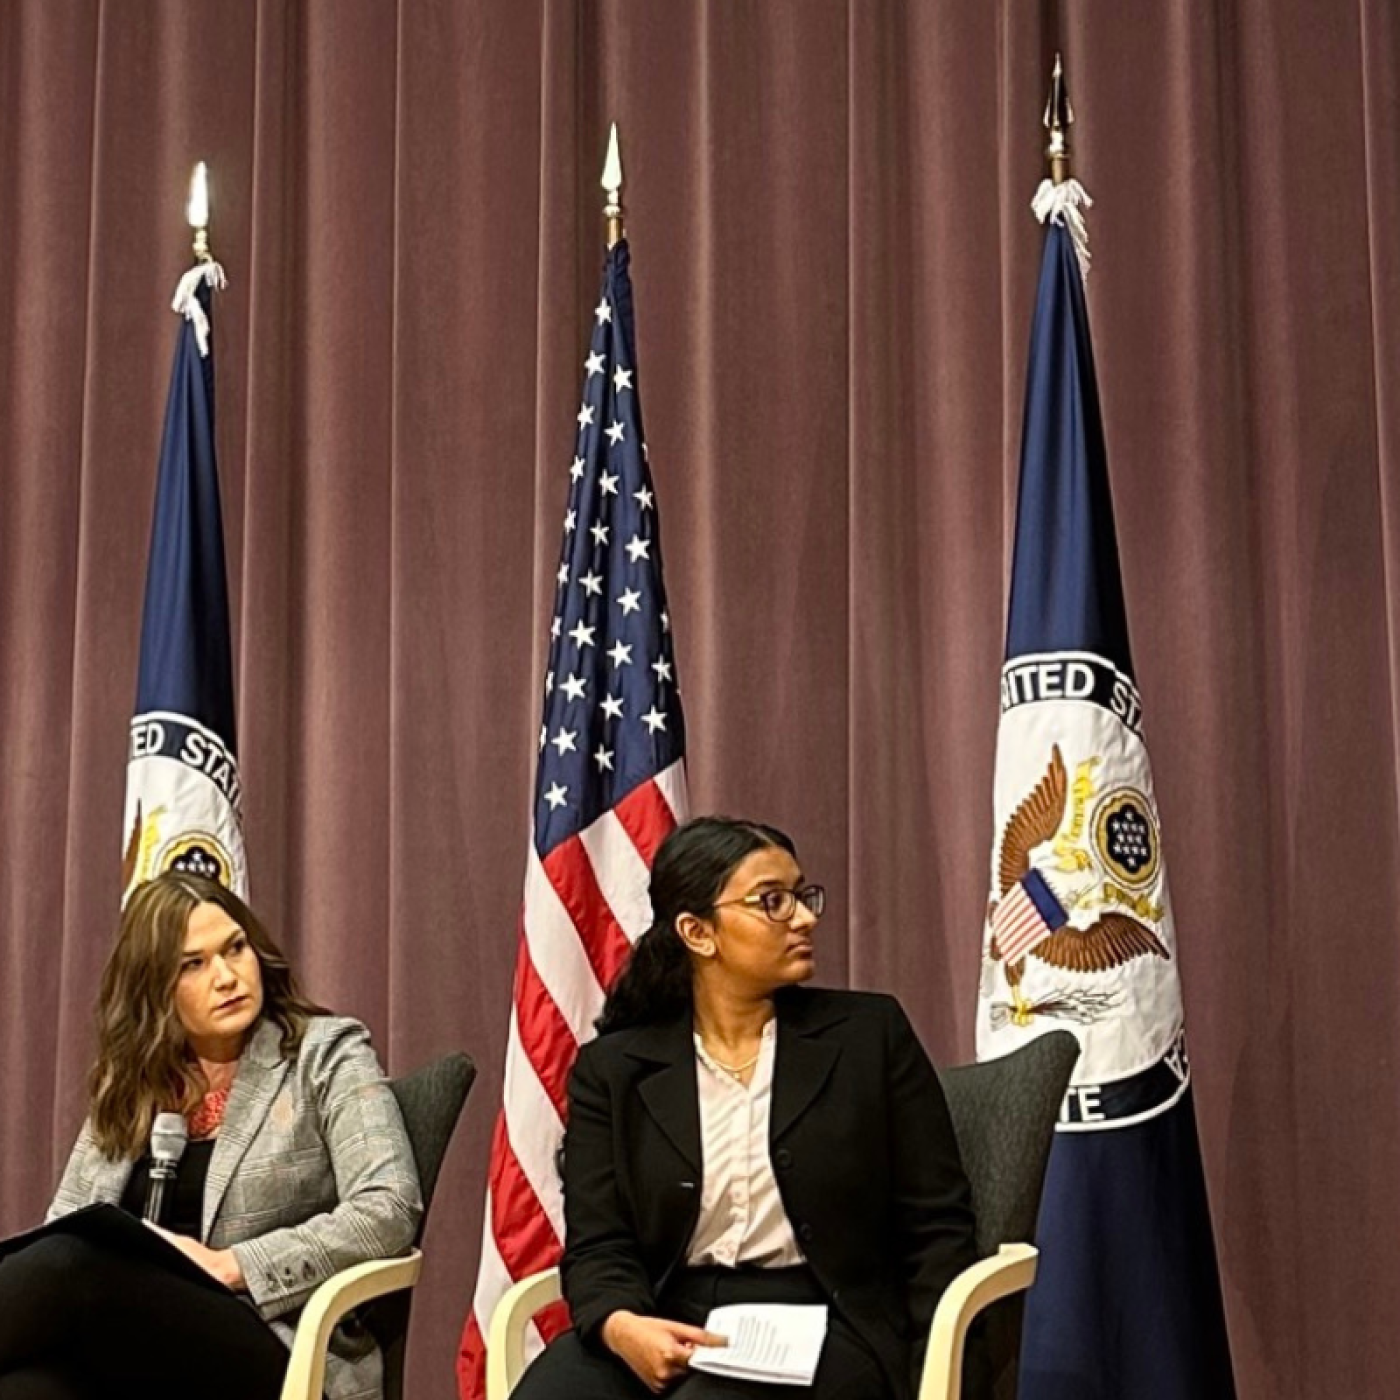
(186, 303)
(1065, 204)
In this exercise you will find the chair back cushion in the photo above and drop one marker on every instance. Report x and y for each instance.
(1004, 1114)
(430, 1100)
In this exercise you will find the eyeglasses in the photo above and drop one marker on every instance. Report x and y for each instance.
(778, 906)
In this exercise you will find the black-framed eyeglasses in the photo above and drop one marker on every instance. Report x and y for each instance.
(778, 906)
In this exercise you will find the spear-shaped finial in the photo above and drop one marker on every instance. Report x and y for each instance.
(1061, 198)
(612, 187)
(1059, 116)
(197, 211)
(205, 269)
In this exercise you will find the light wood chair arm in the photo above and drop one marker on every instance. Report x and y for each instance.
(306, 1372)
(510, 1325)
(1010, 1270)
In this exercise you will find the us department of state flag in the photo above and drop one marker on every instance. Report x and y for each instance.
(1079, 929)
(183, 798)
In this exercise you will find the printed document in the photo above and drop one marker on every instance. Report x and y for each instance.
(776, 1342)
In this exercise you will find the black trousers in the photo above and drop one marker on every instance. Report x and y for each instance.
(848, 1370)
(80, 1321)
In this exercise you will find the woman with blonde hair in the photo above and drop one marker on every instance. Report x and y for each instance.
(297, 1166)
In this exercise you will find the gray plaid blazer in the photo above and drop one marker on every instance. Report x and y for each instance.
(311, 1172)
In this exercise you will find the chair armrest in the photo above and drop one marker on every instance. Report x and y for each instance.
(306, 1372)
(510, 1323)
(1010, 1270)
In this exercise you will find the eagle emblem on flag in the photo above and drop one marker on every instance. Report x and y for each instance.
(1047, 871)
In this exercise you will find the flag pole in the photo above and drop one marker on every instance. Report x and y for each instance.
(197, 212)
(1059, 116)
(612, 187)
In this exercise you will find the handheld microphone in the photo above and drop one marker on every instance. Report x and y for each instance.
(168, 1138)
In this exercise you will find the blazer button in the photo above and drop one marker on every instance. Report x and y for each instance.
(782, 1159)
(805, 1234)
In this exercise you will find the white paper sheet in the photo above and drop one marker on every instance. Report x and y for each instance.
(776, 1342)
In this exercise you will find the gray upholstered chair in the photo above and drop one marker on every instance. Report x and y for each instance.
(431, 1101)
(1004, 1114)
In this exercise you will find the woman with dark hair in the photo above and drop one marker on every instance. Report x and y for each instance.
(297, 1166)
(734, 1136)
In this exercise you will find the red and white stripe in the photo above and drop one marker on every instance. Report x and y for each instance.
(585, 905)
(1018, 925)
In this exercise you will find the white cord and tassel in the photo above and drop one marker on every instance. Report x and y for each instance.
(186, 303)
(1065, 204)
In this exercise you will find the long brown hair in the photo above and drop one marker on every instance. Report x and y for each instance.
(144, 1065)
(691, 867)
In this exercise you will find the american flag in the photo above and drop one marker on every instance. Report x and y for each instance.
(609, 786)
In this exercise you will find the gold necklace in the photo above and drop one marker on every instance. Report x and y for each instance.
(735, 1070)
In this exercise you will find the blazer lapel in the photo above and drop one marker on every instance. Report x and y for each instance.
(671, 1095)
(260, 1074)
(803, 1063)
(805, 1059)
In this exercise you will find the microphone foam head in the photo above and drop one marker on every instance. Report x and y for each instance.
(168, 1137)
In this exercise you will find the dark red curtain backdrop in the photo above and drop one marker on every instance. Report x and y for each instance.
(834, 260)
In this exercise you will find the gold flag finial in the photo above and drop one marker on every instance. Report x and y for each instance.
(197, 212)
(612, 187)
(1059, 117)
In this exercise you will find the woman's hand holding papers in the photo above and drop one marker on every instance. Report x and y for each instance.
(656, 1349)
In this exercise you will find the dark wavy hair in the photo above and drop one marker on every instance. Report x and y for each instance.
(690, 870)
(144, 1066)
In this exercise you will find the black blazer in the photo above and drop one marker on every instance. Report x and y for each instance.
(862, 1148)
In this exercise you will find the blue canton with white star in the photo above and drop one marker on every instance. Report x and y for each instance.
(612, 714)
